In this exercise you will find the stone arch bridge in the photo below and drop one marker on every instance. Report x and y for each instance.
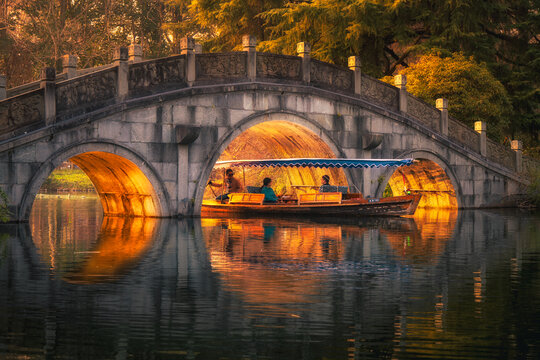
(148, 132)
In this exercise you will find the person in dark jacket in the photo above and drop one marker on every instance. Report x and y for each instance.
(326, 187)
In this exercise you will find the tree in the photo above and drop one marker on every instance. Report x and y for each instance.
(226, 21)
(474, 94)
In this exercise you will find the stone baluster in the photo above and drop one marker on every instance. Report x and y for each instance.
(517, 146)
(69, 65)
(249, 43)
(120, 59)
(355, 65)
(442, 105)
(3, 92)
(303, 49)
(48, 84)
(401, 83)
(135, 53)
(480, 127)
(187, 45)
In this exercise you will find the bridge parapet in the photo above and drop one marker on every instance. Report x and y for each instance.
(151, 76)
(95, 88)
(22, 113)
(86, 93)
(463, 135)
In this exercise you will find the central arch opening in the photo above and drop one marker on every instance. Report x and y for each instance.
(278, 139)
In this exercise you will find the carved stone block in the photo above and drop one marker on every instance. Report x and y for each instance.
(88, 91)
(331, 75)
(278, 66)
(21, 111)
(229, 65)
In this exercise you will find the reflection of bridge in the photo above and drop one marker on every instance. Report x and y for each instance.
(148, 133)
(176, 294)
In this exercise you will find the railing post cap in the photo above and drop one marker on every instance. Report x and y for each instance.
(480, 126)
(121, 54)
(69, 60)
(517, 145)
(354, 62)
(400, 80)
(303, 48)
(48, 74)
(441, 104)
(187, 43)
(249, 42)
(135, 49)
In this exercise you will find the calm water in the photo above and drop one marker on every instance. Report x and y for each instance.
(443, 285)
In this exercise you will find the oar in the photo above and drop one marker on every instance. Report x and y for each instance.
(212, 188)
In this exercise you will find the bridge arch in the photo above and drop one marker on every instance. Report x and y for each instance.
(436, 163)
(126, 183)
(297, 120)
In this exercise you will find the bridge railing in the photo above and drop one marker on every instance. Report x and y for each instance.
(426, 114)
(151, 76)
(86, 93)
(500, 154)
(22, 113)
(379, 92)
(279, 67)
(77, 92)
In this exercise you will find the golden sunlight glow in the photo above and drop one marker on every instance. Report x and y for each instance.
(122, 241)
(279, 139)
(430, 180)
(122, 187)
(244, 252)
(426, 239)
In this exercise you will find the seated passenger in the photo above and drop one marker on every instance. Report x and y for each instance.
(269, 194)
(326, 187)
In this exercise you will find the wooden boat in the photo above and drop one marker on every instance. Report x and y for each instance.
(325, 203)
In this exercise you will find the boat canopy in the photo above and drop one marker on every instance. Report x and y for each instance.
(318, 163)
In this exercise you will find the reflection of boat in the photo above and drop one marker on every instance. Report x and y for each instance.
(337, 202)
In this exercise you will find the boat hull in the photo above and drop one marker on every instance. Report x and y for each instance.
(392, 206)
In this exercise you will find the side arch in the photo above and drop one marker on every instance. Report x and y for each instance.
(253, 120)
(431, 156)
(135, 161)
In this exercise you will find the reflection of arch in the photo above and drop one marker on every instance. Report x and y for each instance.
(427, 239)
(251, 121)
(121, 243)
(135, 190)
(84, 247)
(250, 255)
(442, 178)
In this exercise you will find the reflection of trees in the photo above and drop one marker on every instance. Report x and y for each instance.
(64, 227)
(71, 242)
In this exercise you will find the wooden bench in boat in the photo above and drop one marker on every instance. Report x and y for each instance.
(246, 199)
(320, 198)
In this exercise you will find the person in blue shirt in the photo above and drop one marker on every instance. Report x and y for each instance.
(269, 194)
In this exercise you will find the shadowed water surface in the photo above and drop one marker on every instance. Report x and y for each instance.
(75, 285)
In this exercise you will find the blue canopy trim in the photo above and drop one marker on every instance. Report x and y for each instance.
(319, 163)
